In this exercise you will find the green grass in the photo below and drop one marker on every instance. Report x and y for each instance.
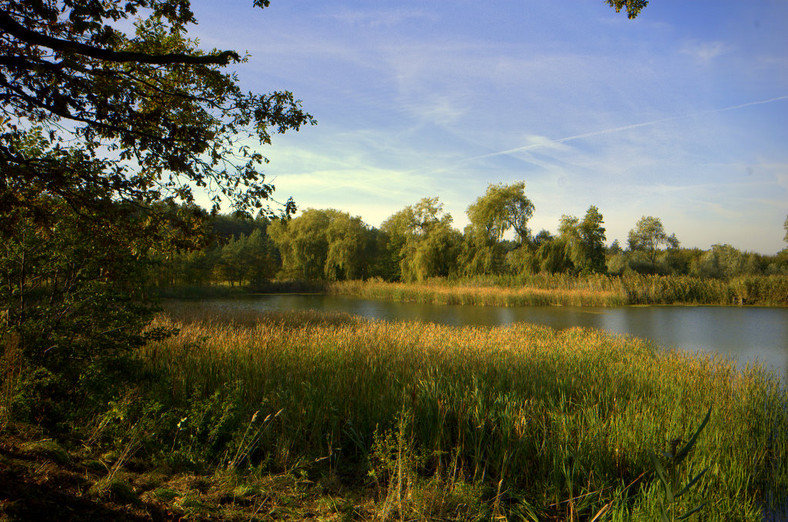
(517, 421)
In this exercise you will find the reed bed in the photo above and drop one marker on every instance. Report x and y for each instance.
(479, 294)
(566, 290)
(535, 423)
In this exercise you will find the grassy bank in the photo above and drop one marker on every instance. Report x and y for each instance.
(564, 290)
(420, 420)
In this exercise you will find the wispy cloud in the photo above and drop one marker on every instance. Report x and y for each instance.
(704, 52)
(380, 18)
(550, 143)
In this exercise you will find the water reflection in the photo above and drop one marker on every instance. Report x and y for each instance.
(744, 334)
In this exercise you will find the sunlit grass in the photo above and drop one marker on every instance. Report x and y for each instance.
(555, 424)
(482, 293)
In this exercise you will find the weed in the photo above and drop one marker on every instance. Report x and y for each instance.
(114, 490)
(165, 494)
(48, 448)
(670, 474)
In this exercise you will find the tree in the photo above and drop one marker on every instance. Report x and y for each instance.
(258, 258)
(584, 241)
(321, 244)
(552, 255)
(648, 236)
(347, 238)
(163, 107)
(501, 208)
(544, 236)
(592, 235)
(479, 254)
(725, 262)
(422, 241)
(101, 134)
(632, 7)
(785, 226)
(230, 265)
(302, 244)
(569, 237)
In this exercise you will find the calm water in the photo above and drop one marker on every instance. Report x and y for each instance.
(743, 334)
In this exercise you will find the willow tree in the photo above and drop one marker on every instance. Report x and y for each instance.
(499, 209)
(321, 244)
(421, 240)
(584, 241)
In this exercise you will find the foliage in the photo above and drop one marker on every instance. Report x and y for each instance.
(251, 259)
(361, 252)
(649, 235)
(501, 208)
(724, 262)
(592, 236)
(321, 244)
(161, 106)
(584, 241)
(478, 254)
(346, 257)
(632, 7)
(72, 292)
(422, 240)
(552, 256)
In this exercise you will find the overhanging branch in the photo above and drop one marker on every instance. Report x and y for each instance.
(14, 28)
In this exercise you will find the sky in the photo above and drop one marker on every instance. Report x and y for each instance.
(681, 113)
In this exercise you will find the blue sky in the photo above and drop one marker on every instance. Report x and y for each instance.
(681, 113)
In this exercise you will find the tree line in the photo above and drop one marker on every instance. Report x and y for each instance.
(419, 242)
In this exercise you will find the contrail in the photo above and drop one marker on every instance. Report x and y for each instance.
(626, 127)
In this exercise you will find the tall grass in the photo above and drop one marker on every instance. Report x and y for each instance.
(566, 290)
(552, 291)
(654, 289)
(542, 423)
(757, 290)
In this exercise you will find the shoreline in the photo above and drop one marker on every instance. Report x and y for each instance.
(546, 290)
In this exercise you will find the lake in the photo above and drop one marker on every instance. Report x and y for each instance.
(744, 334)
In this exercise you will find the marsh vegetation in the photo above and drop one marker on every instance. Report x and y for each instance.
(428, 421)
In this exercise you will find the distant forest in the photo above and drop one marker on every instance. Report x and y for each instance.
(419, 243)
